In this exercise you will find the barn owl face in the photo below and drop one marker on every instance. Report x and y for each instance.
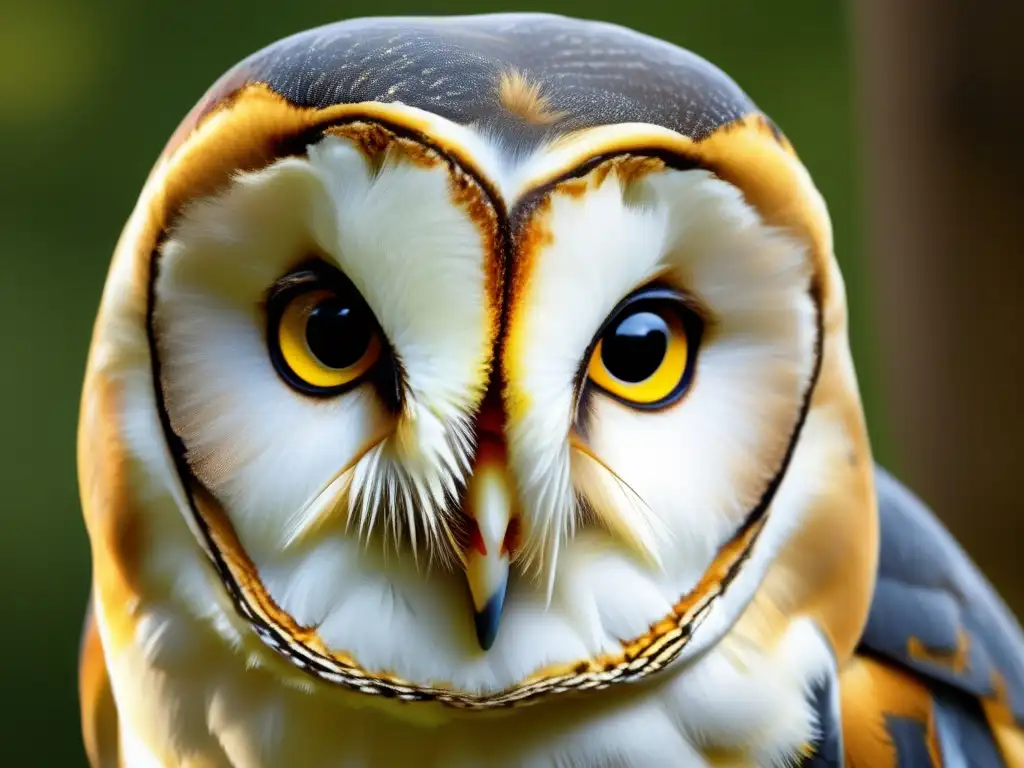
(459, 419)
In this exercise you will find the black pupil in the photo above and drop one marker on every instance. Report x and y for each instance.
(338, 332)
(633, 349)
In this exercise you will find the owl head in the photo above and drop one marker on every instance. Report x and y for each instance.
(476, 360)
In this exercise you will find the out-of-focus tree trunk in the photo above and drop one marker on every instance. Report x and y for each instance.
(942, 98)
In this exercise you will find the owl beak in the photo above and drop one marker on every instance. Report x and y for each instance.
(489, 503)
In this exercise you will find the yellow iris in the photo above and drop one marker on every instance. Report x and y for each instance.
(642, 357)
(325, 342)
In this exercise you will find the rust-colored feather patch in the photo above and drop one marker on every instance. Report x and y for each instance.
(1008, 734)
(872, 694)
(956, 659)
(526, 99)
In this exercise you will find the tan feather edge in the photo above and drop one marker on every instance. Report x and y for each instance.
(96, 699)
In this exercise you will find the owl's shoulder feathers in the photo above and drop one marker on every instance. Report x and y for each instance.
(938, 678)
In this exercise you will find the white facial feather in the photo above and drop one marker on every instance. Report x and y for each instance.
(273, 457)
(681, 478)
(419, 262)
(600, 250)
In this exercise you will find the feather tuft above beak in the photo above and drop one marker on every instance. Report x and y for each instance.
(490, 504)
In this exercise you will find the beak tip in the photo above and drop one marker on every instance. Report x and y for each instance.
(487, 619)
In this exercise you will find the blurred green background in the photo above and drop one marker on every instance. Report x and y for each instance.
(89, 93)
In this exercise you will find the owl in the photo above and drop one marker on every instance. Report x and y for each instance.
(476, 391)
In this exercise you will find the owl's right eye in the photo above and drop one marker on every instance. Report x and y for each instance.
(322, 336)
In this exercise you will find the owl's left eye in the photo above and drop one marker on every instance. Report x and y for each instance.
(322, 336)
(644, 355)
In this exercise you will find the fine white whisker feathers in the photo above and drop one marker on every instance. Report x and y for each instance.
(617, 506)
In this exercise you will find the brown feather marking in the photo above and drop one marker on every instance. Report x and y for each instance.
(871, 691)
(526, 99)
(98, 711)
(1008, 734)
(720, 757)
(956, 660)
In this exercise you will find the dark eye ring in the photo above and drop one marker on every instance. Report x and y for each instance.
(322, 337)
(645, 353)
